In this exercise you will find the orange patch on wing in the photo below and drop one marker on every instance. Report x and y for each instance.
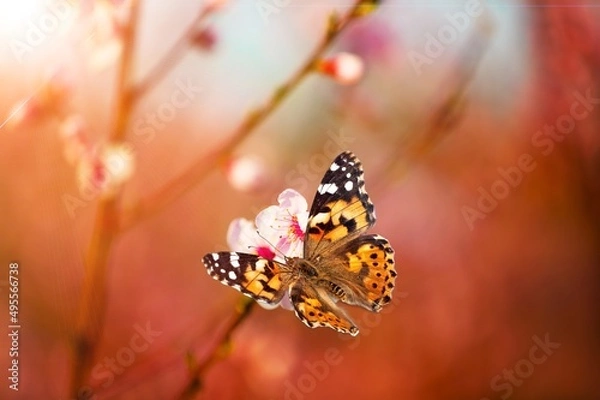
(381, 277)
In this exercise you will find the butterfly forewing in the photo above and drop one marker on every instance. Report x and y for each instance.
(252, 275)
(341, 208)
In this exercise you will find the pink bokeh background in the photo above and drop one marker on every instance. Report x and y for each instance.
(473, 296)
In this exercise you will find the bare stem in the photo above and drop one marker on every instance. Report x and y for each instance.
(179, 185)
(220, 350)
(90, 313)
(173, 56)
(448, 107)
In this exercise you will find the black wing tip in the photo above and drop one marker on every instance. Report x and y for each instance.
(347, 156)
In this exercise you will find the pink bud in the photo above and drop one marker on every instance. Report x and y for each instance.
(72, 131)
(119, 163)
(23, 112)
(91, 176)
(102, 174)
(246, 173)
(265, 252)
(344, 68)
(58, 88)
(104, 42)
(205, 39)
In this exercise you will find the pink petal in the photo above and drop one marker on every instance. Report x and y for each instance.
(241, 235)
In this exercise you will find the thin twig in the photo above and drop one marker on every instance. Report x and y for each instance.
(220, 350)
(447, 109)
(181, 184)
(171, 58)
(92, 302)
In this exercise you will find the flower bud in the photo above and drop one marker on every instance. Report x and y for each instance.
(344, 68)
(246, 173)
(72, 131)
(102, 174)
(204, 39)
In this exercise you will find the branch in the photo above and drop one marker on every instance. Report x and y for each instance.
(448, 108)
(221, 349)
(179, 185)
(173, 56)
(90, 313)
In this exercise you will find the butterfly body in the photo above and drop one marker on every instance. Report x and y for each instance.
(339, 263)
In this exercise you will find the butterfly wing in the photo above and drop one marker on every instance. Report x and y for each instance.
(341, 208)
(314, 306)
(364, 269)
(256, 277)
(362, 266)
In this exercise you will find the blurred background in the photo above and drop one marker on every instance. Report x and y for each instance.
(478, 126)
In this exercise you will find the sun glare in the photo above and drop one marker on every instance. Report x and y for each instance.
(20, 19)
(15, 15)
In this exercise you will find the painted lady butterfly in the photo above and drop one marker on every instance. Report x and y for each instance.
(339, 263)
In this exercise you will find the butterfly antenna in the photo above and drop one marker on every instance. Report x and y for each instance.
(271, 244)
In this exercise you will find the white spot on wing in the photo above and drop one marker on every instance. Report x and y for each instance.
(232, 275)
(330, 188)
(334, 167)
(215, 256)
(348, 185)
(260, 266)
(320, 217)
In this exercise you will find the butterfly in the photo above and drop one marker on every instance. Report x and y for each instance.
(340, 263)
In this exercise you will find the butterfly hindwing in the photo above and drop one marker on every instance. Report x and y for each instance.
(254, 276)
(315, 307)
(370, 261)
(341, 208)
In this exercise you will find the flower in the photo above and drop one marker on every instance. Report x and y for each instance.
(119, 163)
(246, 173)
(23, 112)
(243, 236)
(103, 172)
(344, 68)
(278, 232)
(104, 42)
(284, 224)
(49, 99)
(72, 131)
